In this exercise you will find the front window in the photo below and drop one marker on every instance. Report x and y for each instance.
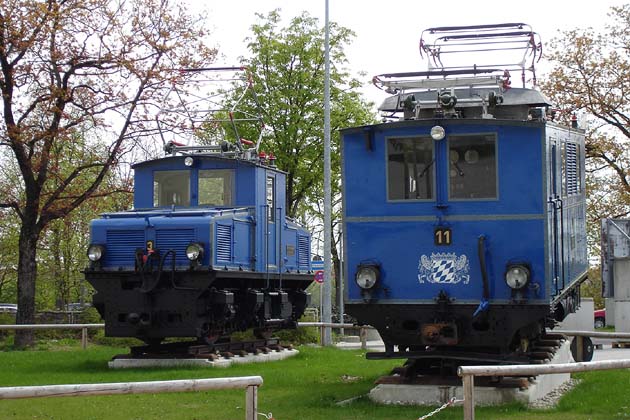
(472, 167)
(410, 168)
(215, 187)
(171, 188)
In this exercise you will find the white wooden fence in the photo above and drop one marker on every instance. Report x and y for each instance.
(249, 383)
(83, 327)
(468, 373)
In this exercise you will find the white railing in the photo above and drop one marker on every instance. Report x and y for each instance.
(468, 373)
(249, 383)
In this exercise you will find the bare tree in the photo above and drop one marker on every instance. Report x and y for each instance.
(89, 69)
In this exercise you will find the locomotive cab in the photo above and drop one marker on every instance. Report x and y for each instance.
(206, 250)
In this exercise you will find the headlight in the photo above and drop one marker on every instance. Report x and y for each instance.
(517, 276)
(367, 276)
(194, 251)
(438, 132)
(95, 252)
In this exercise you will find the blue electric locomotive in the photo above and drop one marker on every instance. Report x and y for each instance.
(464, 218)
(207, 250)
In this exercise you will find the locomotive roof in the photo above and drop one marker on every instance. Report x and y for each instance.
(467, 98)
(208, 156)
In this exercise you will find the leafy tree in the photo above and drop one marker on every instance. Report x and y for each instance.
(287, 65)
(90, 69)
(591, 76)
(288, 70)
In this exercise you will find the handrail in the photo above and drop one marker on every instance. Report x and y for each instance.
(468, 373)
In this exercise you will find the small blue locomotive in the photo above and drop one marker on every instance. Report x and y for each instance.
(207, 249)
(464, 214)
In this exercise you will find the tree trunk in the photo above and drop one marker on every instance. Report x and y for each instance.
(27, 276)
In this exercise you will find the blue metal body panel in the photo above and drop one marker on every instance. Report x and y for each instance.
(517, 224)
(402, 281)
(236, 237)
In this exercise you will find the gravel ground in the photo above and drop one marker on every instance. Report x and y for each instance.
(550, 400)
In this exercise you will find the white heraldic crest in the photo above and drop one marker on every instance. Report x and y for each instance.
(443, 268)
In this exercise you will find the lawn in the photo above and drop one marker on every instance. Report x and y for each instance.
(307, 386)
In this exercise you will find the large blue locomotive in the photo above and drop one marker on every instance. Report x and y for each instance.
(464, 216)
(207, 249)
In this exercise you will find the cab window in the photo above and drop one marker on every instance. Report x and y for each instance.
(410, 168)
(215, 187)
(171, 188)
(271, 199)
(472, 167)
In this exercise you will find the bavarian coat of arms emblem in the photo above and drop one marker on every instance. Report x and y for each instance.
(443, 268)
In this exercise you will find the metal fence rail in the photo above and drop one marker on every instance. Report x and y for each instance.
(468, 373)
(249, 383)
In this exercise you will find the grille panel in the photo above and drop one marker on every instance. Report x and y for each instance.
(303, 251)
(121, 247)
(176, 240)
(224, 243)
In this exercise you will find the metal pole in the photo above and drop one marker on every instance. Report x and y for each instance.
(327, 289)
(84, 338)
(340, 281)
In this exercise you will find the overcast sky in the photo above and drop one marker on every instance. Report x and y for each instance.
(387, 32)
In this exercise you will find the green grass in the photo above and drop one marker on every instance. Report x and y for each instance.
(307, 386)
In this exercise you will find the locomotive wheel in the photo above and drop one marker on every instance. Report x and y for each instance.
(263, 333)
(587, 349)
(153, 341)
(210, 339)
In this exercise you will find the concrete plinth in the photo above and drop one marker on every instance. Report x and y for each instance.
(128, 363)
(436, 395)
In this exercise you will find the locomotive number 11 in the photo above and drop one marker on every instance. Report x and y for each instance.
(442, 236)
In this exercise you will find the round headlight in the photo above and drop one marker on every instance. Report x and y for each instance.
(366, 277)
(188, 161)
(194, 251)
(95, 252)
(517, 276)
(437, 132)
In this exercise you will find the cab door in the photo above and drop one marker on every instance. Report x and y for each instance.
(271, 222)
(556, 212)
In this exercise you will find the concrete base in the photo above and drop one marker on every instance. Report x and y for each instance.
(436, 395)
(124, 363)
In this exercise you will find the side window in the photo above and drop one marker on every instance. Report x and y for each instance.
(410, 168)
(171, 188)
(215, 187)
(271, 199)
(472, 167)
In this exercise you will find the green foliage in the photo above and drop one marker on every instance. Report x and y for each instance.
(592, 287)
(287, 65)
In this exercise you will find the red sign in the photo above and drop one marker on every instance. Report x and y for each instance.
(319, 276)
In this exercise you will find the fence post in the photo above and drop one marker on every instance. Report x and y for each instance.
(84, 338)
(251, 402)
(469, 397)
(363, 337)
